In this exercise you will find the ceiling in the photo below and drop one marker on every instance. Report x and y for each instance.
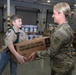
(36, 4)
(52, 2)
(45, 3)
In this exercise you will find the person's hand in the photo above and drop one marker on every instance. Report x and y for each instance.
(32, 56)
(21, 59)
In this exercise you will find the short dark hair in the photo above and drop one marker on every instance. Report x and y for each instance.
(14, 17)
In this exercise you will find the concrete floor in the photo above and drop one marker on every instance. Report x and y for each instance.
(31, 68)
(36, 67)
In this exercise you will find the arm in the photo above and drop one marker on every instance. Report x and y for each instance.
(57, 41)
(9, 39)
(19, 57)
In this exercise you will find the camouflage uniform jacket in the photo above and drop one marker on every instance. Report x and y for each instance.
(59, 49)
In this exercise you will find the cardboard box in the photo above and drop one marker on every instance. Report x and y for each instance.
(27, 47)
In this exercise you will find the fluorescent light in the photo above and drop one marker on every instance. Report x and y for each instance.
(75, 5)
(48, 1)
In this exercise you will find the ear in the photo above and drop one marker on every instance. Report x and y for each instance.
(61, 13)
(13, 22)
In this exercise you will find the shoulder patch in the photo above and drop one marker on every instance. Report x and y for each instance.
(56, 40)
(7, 33)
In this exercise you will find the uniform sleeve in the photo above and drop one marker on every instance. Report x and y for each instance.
(57, 41)
(42, 54)
(23, 36)
(26, 36)
(9, 37)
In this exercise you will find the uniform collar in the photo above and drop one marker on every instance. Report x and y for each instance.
(16, 29)
(65, 23)
(62, 24)
(59, 26)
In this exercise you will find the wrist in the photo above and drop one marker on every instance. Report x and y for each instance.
(36, 55)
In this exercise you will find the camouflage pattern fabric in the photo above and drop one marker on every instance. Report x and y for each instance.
(60, 50)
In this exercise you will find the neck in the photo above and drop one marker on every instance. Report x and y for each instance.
(62, 21)
(16, 28)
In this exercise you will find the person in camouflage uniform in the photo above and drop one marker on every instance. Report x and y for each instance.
(61, 42)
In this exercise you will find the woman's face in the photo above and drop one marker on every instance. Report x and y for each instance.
(56, 16)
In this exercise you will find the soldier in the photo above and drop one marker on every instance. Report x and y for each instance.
(12, 36)
(61, 40)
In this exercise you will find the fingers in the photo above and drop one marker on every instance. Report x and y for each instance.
(32, 56)
(24, 58)
(22, 61)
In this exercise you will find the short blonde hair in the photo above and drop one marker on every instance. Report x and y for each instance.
(65, 8)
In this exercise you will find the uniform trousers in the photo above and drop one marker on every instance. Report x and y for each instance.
(54, 73)
(4, 59)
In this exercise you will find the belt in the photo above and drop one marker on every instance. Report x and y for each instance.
(7, 50)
